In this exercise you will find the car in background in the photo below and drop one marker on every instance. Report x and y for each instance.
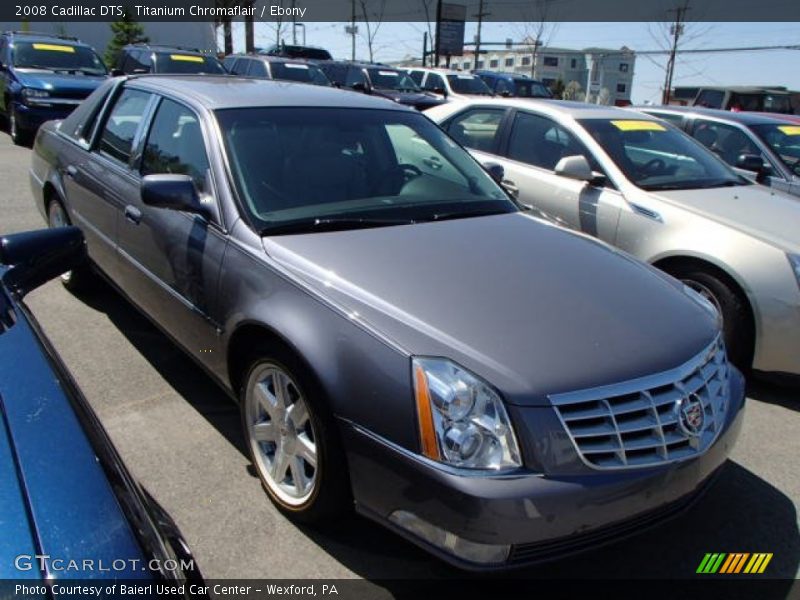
(379, 80)
(275, 67)
(376, 303)
(138, 59)
(513, 84)
(740, 98)
(646, 187)
(761, 143)
(295, 51)
(43, 77)
(450, 85)
(67, 496)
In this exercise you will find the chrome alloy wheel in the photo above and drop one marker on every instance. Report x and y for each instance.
(704, 292)
(281, 434)
(56, 217)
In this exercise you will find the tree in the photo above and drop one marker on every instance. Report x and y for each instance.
(125, 31)
(604, 97)
(558, 88)
(536, 30)
(372, 22)
(572, 91)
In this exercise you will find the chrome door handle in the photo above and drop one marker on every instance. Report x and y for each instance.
(433, 162)
(133, 214)
(71, 171)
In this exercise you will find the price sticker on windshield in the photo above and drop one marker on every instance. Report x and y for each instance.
(790, 129)
(638, 126)
(186, 58)
(54, 48)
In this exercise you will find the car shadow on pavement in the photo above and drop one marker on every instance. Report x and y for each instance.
(740, 512)
(784, 393)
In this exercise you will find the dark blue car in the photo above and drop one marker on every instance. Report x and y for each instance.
(44, 77)
(70, 508)
(512, 84)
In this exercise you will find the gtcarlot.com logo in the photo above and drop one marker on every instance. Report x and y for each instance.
(734, 562)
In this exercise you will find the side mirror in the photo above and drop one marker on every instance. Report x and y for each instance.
(360, 86)
(575, 167)
(117, 72)
(173, 192)
(754, 163)
(505, 94)
(36, 257)
(440, 90)
(495, 171)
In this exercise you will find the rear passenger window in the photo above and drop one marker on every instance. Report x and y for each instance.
(121, 125)
(257, 69)
(434, 82)
(416, 76)
(477, 129)
(175, 145)
(240, 66)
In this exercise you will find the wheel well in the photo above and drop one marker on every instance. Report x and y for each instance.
(243, 340)
(49, 193)
(670, 264)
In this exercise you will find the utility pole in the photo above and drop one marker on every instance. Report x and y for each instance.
(676, 30)
(353, 30)
(438, 29)
(480, 17)
(294, 25)
(424, 48)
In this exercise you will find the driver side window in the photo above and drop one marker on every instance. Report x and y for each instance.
(541, 142)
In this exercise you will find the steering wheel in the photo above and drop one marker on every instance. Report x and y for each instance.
(654, 166)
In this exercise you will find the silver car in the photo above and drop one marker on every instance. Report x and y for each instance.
(646, 187)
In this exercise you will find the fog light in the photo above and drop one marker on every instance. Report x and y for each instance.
(449, 542)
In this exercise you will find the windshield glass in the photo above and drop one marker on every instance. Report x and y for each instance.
(531, 89)
(55, 56)
(299, 72)
(298, 168)
(175, 62)
(468, 84)
(784, 141)
(389, 79)
(657, 156)
(777, 103)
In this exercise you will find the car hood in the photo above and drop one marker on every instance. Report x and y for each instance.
(528, 306)
(410, 98)
(757, 210)
(59, 82)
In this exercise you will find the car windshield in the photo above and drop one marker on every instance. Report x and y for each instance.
(468, 84)
(299, 72)
(531, 89)
(389, 79)
(657, 156)
(57, 56)
(784, 141)
(178, 62)
(302, 169)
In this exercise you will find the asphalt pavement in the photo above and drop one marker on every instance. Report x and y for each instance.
(180, 436)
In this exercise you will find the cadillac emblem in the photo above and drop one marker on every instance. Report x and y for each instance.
(691, 416)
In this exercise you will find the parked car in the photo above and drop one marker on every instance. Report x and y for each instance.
(738, 98)
(373, 299)
(379, 80)
(450, 85)
(646, 187)
(513, 84)
(43, 77)
(295, 51)
(275, 67)
(67, 496)
(768, 146)
(150, 58)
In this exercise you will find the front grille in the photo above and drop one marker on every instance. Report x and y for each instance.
(653, 420)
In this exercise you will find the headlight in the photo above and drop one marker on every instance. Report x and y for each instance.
(462, 420)
(33, 93)
(794, 260)
(709, 306)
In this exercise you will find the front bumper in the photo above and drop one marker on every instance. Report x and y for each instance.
(541, 516)
(31, 116)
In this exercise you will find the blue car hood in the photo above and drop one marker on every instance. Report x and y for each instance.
(59, 82)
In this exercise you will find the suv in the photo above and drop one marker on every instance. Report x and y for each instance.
(744, 98)
(275, 67)
(511, 84)
(379, 80)
(147, 58)
(307, 52)
(450, 85)
(43, 77)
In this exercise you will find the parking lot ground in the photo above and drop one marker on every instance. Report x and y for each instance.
(180, 436)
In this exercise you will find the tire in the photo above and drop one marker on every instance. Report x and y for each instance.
(737, 322)
(81, 278)
(19, 135)
(292, 438)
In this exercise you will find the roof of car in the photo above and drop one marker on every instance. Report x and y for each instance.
(576, 110)
(499, 75)
(166, 48)
(26, 36)
(743, 117)
(439, 70)
(272, 58)
(230, 91)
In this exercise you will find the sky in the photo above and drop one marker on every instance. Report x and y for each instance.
(395, 41)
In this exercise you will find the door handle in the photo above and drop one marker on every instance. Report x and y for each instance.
(133, 214)
(433, 162)
(510, 187)
(71, 171)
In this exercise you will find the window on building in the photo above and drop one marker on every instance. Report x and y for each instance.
(623, 67)
(621, 88)
(526, 61)
(493, 63)
(479, 64)
(509, 62)
(550, 61)
(573, 63)
(466, 65)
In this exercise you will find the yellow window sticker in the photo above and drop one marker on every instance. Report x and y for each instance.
(790, 129)
(186, 58)
(638, 126)
(54, 48)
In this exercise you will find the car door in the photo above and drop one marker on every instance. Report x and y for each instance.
(4, 73)
(97, 182)
(534, 146)
(172, 258)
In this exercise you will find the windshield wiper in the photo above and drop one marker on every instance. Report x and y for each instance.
(329, 224)
(466, 214)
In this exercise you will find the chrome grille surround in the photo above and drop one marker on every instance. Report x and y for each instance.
(636, 423)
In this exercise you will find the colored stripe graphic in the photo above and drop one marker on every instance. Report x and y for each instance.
(735, 562)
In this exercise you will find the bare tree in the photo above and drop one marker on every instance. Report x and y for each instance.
(249, 28)
(226, 22)
(573, 91)
(535, 28)
(279, 26)
(372, 23)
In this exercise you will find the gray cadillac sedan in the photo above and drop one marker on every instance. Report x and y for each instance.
(401, 337)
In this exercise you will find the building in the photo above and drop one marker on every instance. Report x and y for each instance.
(607, 74)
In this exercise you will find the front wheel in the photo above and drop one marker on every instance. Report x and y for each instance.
(19, 135)
(80, 278)
(292, 439)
